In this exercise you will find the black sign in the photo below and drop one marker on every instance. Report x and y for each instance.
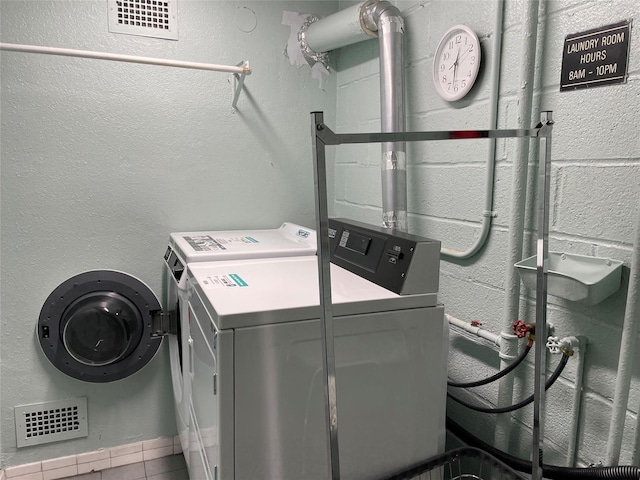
(596, 57)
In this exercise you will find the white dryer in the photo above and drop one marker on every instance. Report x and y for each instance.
(258, 399)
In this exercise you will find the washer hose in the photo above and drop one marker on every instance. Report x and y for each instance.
(552, 472)
(550, 381)
(495, 377)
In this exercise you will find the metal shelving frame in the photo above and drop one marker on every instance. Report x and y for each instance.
(323, 136)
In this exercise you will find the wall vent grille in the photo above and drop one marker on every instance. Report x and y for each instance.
(51, 422)
(149, 18)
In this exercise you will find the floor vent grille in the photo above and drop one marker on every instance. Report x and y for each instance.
(149, 18)
(51, 422)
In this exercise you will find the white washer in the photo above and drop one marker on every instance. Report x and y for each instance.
(103, 325)
(258, 398)
(199, 247)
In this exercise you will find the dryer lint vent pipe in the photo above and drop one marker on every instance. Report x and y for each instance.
(355, 24)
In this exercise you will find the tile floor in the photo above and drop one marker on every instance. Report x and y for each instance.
(172, 467)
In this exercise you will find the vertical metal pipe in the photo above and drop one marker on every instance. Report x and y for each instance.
(579, 349)
(625, 361)
(394, 163)
(517, 215)
(633, 311)
(542, 255)
(324, 278)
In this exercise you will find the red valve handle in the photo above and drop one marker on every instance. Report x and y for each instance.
(520, 329)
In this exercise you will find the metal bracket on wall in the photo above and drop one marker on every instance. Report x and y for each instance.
(238, 81)
(322, 136)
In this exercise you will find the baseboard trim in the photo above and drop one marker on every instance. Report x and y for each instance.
(102, 459)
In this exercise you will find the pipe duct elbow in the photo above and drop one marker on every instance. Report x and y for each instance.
(384, 14)
(376, 13)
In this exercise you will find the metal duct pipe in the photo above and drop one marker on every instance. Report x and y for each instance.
(339, 30)
(360, 22)
(394, 163)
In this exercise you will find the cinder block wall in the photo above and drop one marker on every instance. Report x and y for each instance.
(594, 192)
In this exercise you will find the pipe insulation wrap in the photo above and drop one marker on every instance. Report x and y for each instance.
(337, 30)
(394, 192)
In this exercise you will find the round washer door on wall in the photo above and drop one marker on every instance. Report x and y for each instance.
(97, 326)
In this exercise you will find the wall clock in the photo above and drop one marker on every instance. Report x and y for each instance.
(456, 63)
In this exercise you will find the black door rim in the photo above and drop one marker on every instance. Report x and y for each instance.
(97, 326)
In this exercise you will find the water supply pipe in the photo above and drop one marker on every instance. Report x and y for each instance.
(579, 346)
(626, 360)
(354, 24)
(494, 338)
(517, 216)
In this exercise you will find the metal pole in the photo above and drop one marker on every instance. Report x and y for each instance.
(542, 252)
(68, 52)
(324, 277)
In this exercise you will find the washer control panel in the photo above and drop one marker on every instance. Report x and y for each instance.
(398, 261)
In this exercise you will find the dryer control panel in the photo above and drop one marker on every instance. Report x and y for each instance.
(398, 261)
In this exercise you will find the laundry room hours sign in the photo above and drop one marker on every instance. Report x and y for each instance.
(596, 57)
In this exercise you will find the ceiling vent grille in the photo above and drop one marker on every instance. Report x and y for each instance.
(149, 18)
(51, 422)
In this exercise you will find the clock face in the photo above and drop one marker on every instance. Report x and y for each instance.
(456, 63)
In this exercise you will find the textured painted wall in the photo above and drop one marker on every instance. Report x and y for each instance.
(595, 190)
(102, 160)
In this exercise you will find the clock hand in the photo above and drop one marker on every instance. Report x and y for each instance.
(455, 73)
(466, 52)
(455, 67)
(455, 62)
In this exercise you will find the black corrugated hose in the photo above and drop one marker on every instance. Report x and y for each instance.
(550, 381)
(552, 472)
(495, 377)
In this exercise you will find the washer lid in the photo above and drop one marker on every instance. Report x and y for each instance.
(287, 241)
(98, 326)
(265, 291)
